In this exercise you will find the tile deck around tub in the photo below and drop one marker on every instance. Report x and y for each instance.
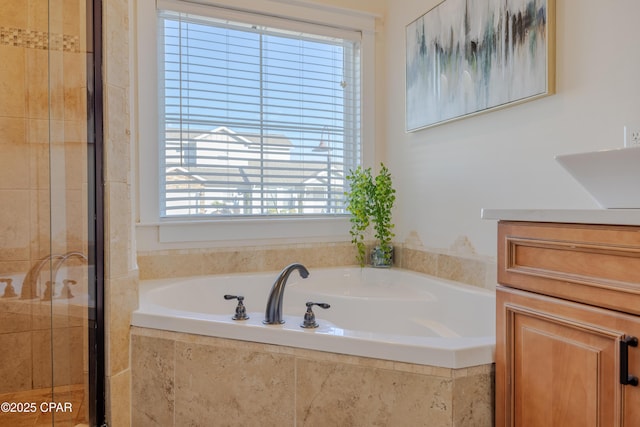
(184, 379)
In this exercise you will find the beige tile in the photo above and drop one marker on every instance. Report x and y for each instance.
(319, 255)
(116, 44)
(473, 403)
(420, 261)
(75, 216)
(179, 263)
(225, 376)
(63, 362)
(37, 74)
(75, 131)
(243, 386)
(117, 135)
(74, 17)
(56, 78)
(38, 132)
(55, 17)
(465, 270)
(233, 261)
(117, 229)
(40, 313)
(172, 264)
(41, 358)
(12, 80)
(38, 14)
(15, 224)
(13, 13)
(75, 86)
(119, 406)
(122, 300)
(13, 131)
(15, 369)
(8, 267)
(434, 371)
(68, 352)
(274, 259)
(152, 381)
(330, 255)
(344, 359)
(15, 316)
(39, 212)
(337, 394)
(14, 167)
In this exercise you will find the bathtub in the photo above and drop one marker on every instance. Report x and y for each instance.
(390, 314)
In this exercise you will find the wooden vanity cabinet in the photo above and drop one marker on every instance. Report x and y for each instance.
(568, 307)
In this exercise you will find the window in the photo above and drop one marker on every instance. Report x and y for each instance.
(255, 120)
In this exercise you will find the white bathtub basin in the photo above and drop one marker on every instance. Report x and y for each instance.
(382, 313)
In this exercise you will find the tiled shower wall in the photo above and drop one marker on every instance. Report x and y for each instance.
(42, 121)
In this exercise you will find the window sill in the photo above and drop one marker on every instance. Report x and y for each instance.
(176, 234)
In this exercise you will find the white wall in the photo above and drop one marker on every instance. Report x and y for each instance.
(505, 159)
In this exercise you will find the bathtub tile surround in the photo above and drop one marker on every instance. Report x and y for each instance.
(173, 373)
(452, 264)
(242, 386)
(464, 269)
(459, 262)
(195, 262)
(473, 396)
(333, 393)
(153, 390)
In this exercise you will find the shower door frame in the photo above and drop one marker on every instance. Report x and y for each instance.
(97, 394)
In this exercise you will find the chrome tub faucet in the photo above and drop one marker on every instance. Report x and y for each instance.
(273, 313)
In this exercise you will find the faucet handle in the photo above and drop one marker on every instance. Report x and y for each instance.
(9, 291)
(49, 291)
(66, 289)
(241, 311)
(309, 321)
(319, 304)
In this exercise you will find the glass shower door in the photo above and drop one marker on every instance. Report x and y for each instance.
(47, 220)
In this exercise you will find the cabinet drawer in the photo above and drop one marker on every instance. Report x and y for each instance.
(592, 264)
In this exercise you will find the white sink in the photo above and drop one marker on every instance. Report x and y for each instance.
(612, 177)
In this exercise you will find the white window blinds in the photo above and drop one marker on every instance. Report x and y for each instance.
(255, 120)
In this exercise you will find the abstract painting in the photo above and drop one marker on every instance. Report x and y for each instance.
(466, 57)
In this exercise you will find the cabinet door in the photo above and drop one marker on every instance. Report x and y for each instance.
(558, 363)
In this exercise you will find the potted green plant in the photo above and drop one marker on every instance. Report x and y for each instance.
(360, 183)
(370, 200)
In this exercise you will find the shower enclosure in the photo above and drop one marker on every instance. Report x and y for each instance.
(51, 339)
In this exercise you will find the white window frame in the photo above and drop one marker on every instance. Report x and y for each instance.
(153, 232)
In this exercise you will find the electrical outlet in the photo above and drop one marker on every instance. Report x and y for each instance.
(632, 136)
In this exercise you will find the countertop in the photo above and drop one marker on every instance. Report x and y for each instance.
(577, 216)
